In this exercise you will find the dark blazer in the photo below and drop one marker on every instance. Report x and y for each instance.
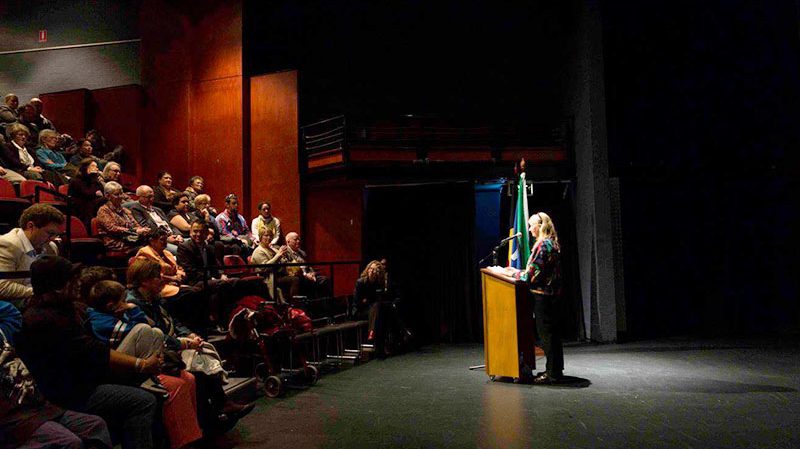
(142, 216)
(9, 158)
(190, 257)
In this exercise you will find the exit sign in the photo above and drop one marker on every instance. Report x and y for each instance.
(42, 35)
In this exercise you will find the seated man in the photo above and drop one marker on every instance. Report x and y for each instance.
(196, 257)
(146, 214)
(299, 280)
(39, 225)
(41, 121)
(233, 227)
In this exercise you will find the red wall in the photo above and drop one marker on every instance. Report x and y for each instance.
(67, 111)
(332, 222)
(117, 113)
(192, 75)
(275, 173)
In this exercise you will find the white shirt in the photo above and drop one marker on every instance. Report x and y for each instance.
(24, 156)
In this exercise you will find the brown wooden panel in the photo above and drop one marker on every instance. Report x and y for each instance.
(215, 140)
(274, 162)
(332, 222)
(217, 41)
(117, 113)
(325, 160)
(165, 134)
(67, 111)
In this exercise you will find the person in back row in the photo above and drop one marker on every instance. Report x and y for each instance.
(265, 221)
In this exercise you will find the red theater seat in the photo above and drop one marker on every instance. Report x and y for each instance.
(237, 264)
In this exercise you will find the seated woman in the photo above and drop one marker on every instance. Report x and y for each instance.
(86, 192)
(180, 217)
(124, 327)
(163, 192)
(112, 172)
(16, 157)
(116, 224)
(48, 155)
(73, 369)
(264, 254)
(144, 279)
(374, 299)
(182, 301)
(195, 188)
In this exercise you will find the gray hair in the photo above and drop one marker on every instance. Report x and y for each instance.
(45, 133)
(111, 187)
(142, 189)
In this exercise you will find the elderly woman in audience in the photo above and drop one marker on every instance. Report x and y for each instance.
(86, 192)
(164, 193)
(48, 155)
(15, 155)
(266, 253)
(180, 217)
(125, 328)
(195, 188)
(145, 281)
(116, 224)
(112, 172)
(72, 368)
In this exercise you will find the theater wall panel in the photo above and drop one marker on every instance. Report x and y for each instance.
(274, 175)
(117, 113)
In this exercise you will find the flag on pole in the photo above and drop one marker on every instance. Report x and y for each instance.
(519, 250)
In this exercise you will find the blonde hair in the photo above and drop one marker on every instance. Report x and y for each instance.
(202, 198)
(547, 230)
(378, 276)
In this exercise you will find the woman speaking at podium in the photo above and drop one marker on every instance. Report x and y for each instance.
(543, 274)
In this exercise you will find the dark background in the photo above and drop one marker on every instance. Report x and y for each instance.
(702, 119)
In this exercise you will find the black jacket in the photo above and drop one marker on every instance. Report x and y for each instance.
(190, 257)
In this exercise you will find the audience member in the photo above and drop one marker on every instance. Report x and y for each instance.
(27, 117)
(100, 147)
(265, 254)
(144, 278)
(373, 299)
(265, 221)
(8, 111)
(164, 193)
(116, 224)
(301, 279)
(86, 192)
(198, 260)
(204, 211)
(27, 420)
(16, 156)
(156, 249)
(72, 368)
(180, 217)
(85, 150)
(125, 328)
(153, 217)
(232, 226)
(48, 155)
(39, 225)
(41, 121)
(195, 188)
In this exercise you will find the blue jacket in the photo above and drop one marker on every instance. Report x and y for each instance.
(10, 321)
(44, 154)
(158, 317)
(112, 330)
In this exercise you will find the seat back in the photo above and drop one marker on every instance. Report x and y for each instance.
(237, 264)
(7, 189)
(63, 189)
(78, 229)
(27, 189)
(95, 228)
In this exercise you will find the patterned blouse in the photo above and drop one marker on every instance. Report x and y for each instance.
(543, 272)
(113, 224)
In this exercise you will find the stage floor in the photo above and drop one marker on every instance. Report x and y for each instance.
(662, 394)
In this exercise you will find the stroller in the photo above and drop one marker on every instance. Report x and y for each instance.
(272, 328)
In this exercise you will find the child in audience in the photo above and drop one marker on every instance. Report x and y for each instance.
(127, 329)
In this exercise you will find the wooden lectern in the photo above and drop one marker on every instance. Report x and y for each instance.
(509, 335)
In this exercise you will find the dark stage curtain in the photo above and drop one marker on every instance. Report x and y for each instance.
(427, 234)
